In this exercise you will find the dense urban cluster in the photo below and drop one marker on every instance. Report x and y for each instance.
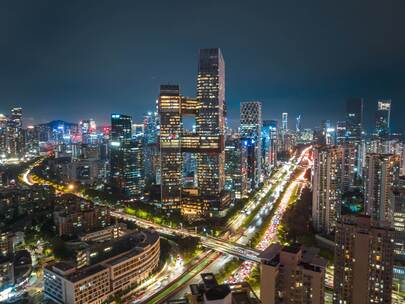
(135, 212)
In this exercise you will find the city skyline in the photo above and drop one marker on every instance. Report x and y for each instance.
(104, 63)
(202, 152)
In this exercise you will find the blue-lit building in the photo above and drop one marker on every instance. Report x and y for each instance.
(151, 148)
(251, 137)
(57, 131)
(269, 145)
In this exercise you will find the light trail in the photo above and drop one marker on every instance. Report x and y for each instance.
(270, 236)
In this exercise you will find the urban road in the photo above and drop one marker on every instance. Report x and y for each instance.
(235, 245)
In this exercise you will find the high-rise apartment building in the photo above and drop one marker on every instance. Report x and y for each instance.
(398, 203)
(206, 140)
(333, 175)
(292, 274)
(327, 187)
(383, 117)
(363, 261)
(251, 132)
(380, 175)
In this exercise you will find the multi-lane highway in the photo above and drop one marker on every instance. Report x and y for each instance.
(161, 289)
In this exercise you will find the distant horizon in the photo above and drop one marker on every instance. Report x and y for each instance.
(232, 123)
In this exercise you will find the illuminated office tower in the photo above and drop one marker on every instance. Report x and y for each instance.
(298, 124)
(206, 140)
(151, 147)
(123, 157)
(3, 136)
(363, 261)
(269, 145)
(211, 125)
(31, 141)
(354, 119)
(382, 119)
(381, 173)
(14, 134)
(273, 142)
(284, 122)
(88, 130)
(327, 187)
(251, 132)
(170, 145)
(341, 130)
(235, 166)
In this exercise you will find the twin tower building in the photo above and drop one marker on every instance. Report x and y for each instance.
(205, 141)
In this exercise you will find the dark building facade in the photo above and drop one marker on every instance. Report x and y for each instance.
(354, 119)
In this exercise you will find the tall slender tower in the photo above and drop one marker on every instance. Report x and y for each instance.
(383, 117)
(354, 119)
(250, 130)
(284, 122)
(381, 174)
(170, 144)
(327, 187)
(123, 154)
(210, 125)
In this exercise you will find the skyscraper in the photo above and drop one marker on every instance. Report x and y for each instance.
(251, 132)
(354, 119)
(206, 140)
(363, 261)
(170, 145)
(327, 187)
(284, 122)
(382, 119)
(88, 131)
(398, 203)
(235, 166)
(124, 158)
(269, 145)
(341, 130)
(14, 134)
(380, 175)
(211, 125)
(151, 147)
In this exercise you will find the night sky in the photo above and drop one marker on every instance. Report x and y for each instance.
(79, 59)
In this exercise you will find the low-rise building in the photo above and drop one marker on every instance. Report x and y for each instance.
(114, 265)
(210, 292)
(75, 217)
